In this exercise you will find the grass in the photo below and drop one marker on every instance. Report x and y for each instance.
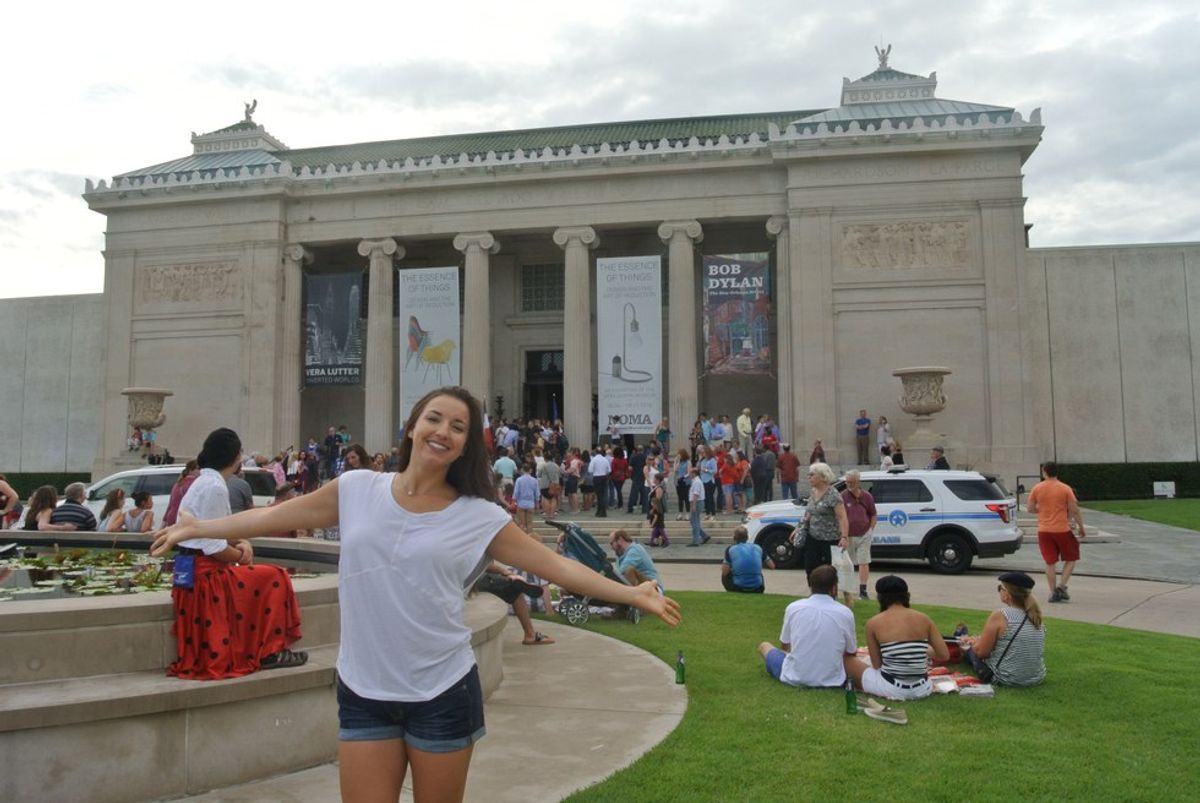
(1115, 720)
(1175, 512)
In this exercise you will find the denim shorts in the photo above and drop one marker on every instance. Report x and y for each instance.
(451, 721)
(775, 662)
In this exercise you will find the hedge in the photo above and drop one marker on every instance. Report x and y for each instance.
(28, 482)
(1099, 481)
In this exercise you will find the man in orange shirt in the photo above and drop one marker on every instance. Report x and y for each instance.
(1055, 505)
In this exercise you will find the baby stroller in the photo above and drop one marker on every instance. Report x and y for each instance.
(579, 545)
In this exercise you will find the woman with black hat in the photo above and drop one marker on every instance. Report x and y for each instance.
(1012, 645)
(900, 641)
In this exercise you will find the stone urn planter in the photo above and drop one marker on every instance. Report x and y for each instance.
(922, 398)
(146, 407)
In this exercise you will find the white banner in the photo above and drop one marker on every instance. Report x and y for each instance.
(629, 343)
(429, 333)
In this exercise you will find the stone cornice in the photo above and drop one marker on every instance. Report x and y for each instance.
(796, 140)
(482, 240)
(688, 228)
(585, 235)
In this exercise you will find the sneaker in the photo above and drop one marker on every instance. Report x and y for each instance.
(1063, 596)
(862, 594)
(1056, 595)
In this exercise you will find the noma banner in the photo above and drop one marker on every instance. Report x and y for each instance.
(333, 345)
(629, 342)
(428, 313)
(737, 314)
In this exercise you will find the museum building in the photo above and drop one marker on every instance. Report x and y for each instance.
(891, 227)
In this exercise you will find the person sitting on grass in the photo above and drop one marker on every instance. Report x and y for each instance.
(1013, 641)
(633, 561)
(817, 637)
(741, 568)
(900, 641)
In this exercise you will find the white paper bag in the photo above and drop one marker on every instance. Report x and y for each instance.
(845, 568)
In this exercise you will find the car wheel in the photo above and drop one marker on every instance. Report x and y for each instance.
(779, 548)
(950, 553)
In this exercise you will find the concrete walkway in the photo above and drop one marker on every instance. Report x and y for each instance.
(556, 724)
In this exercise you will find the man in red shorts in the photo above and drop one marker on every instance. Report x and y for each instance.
(1054, 503)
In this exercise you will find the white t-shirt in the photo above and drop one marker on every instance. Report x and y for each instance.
(696, 490)
(599, 465)
(820, 631)
(400, 585)
(207, 498)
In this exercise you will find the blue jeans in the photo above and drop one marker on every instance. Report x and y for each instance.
(789, 490)
(698, 533)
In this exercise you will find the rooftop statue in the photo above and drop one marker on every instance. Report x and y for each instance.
(882, 54)
(250, 107)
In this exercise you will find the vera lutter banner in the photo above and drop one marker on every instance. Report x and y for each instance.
(429, 321)
(333, 338)
(737, 314)
(629, 342)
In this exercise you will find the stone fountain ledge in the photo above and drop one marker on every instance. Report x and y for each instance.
(85, 702)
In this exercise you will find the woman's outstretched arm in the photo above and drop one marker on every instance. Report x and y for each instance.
(514, 546)
(317, 509)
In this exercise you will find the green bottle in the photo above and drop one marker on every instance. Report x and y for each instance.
(851, 700)
(679, 667)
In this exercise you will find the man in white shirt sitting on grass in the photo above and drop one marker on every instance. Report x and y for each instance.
(817, 632)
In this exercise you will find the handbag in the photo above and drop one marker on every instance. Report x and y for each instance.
(985, 672)
(554, 490)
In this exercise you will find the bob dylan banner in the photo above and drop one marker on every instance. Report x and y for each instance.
(429, 319)
(629, 342)
(737, 314)
(333, 327)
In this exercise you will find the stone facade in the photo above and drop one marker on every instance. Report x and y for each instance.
(894, 224)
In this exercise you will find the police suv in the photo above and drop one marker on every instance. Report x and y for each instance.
(946, 517)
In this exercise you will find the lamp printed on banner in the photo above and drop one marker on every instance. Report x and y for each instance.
(629, 342)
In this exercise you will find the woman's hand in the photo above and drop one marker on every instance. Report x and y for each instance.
(166, 538)
(648, 600)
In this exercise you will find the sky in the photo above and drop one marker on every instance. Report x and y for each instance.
(103, 89)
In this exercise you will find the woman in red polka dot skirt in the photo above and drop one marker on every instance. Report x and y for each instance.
(236, 617)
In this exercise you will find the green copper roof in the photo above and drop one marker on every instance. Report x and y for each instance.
(673, 129)
(906, 110)
(732, 125)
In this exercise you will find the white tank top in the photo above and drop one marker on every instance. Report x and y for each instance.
(400, 586)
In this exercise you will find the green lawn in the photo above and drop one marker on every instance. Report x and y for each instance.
(1176, 512)
(1115, 720)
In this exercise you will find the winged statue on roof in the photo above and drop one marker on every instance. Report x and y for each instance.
(250, 107)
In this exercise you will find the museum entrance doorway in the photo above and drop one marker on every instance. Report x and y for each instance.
(543, 389)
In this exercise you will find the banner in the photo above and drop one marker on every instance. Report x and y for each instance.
(429, 326)
(629, 342)
(737, 314)
(333, 343)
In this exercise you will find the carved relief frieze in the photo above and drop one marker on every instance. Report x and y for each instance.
(196, 283)
(906, 246)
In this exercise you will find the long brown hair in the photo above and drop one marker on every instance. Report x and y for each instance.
(470, 474)
(114, 501)
(1023, 598)
(44, 498)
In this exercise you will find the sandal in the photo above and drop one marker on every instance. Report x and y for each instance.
(285, 659)
(538, 638)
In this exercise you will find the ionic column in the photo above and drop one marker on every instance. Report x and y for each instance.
(287, 422)
(380, 361)
(777, 230)
(477, 321)
(683, 374)
(577, 332)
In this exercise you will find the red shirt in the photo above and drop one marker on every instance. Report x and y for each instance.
(789, 467)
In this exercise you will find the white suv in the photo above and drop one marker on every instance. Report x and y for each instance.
(158, 481)
(945, 517)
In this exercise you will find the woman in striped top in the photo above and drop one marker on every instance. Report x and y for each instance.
(900, 641)
(1013, 640)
